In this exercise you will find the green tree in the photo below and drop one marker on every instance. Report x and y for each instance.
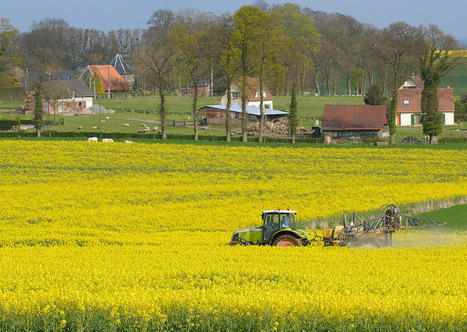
(245, 35)
(228, 55)
(97, 84)
(38, 113)
(434, 64)
(293, 116)
(270, 38)
(190, 43)
(300, 45)
(374, 96)
(10, 50)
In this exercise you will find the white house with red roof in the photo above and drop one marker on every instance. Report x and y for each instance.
(409, 100)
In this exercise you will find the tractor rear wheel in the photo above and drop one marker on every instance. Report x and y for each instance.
(287, 240)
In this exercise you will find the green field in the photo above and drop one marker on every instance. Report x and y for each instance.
(457, 78)
(455, 217)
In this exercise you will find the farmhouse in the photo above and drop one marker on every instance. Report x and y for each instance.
(253, 94)
(62, 96)
(409, 110)
(344, 121)
(204, 89)
(215, 114)
(108, 75)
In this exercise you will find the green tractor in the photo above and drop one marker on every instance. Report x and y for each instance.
(278, 230)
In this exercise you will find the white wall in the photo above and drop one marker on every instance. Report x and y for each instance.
(406, 119)
(256, 104)
(89, 102)
(449, 118)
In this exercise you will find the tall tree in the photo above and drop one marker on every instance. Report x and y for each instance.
(434, 64)
(302, 42)
(157, 57)
(400, 45)
(269, 40)
(245, 34)
(38, 113)
(227, 59)
(293, 116)
(190, 41)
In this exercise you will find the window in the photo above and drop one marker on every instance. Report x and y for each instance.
(406, 102)
(258, 94)
(235, 95)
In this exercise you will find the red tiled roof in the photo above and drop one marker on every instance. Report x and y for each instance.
(354, 117)
(253, 87)
(117, 83)
(414, 96)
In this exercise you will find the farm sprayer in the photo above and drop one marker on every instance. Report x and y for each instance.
(279, 230)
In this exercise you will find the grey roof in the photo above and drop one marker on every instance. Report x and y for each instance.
(68, 88)
(251, 110)
(96, 108)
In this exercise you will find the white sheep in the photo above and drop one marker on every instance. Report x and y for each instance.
(107, 140)
(92, 139)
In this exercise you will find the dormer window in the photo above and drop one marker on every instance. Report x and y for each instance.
(258, 94)
(235, 95)
(406, 102)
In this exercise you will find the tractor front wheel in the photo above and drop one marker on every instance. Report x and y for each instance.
(287, 240)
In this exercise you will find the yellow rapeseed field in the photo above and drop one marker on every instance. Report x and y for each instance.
(132, 236)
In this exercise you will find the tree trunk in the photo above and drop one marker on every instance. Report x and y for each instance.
(318, 90)
(227, 109)
(261, 105)
(38, 132)
(433, 139)
(244, 114)
(162, 113)
(195, 111)
(293, 138)
(349, 88)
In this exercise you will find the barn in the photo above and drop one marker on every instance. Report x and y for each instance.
(215, 114)
(345, 121)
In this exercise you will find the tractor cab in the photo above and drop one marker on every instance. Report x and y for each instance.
(274, 220)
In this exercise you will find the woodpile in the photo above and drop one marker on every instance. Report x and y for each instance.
(276, 127)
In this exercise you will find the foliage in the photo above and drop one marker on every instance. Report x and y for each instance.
(460, 113)
(132, 236)
(293, 116)
(434, 64)
(97, 84)
(374, 96)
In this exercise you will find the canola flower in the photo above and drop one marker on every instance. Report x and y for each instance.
(99, 236)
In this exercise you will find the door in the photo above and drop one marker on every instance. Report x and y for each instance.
(412, 119)
(271, 224)
(444, 118)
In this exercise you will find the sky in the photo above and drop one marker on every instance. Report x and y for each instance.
(449, 15)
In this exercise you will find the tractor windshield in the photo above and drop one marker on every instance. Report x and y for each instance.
(287, 220)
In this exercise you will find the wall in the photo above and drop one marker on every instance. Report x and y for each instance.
(449, 118)
(406, 119)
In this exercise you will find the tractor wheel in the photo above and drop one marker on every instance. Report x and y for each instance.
(287, 240)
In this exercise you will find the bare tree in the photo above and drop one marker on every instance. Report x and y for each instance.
(400, 45)
(157, 56)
